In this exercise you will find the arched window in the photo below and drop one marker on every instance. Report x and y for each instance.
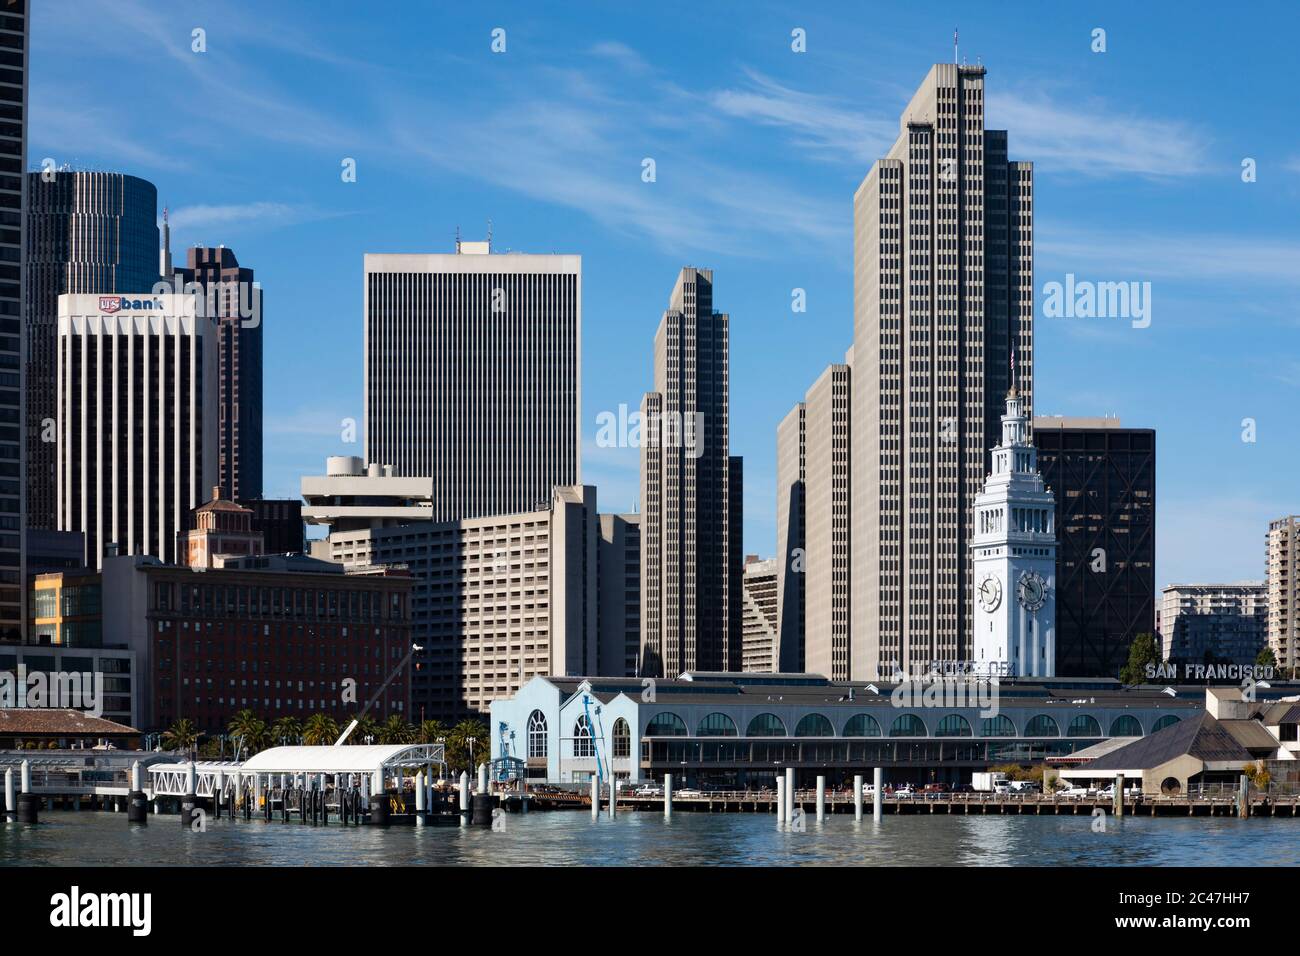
(908, 725)
(583, 745)
(1083, 725)
(814, 725)
(1125, 725)
(1168, 720)
(666, 724)
(537, 734)
(954, 725)
(717, 725)
(1042, 726)
(765, 725)
(622, 738)
(862, 725)
(999, 726)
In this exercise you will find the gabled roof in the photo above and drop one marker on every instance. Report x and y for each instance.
(43, 720)
(1200, 736)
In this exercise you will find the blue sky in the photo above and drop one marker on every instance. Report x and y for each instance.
(758, 150)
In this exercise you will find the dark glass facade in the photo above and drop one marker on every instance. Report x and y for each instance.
(1104, 480)
(13, 148)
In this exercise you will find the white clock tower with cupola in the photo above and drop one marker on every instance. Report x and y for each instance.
(1014, 558)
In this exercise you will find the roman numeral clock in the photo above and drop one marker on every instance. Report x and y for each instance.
(1014, 557)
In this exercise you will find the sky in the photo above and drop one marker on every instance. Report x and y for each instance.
(1138, 153)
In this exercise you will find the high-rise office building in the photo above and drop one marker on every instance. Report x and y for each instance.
(943, 296)
(1282, 564)
(13, 207)
(688, 516)
(1104, 480)
(472, 375)
(758, 594)
(827, 648)
(232, 300)
(618, 566)
(790, 546)
(1213, 623)
(88, 233)
(137, 421)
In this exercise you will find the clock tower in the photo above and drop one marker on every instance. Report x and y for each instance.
(1014, 557)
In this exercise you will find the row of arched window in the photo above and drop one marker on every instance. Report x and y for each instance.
(667, 724)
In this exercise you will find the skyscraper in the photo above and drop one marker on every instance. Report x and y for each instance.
(137, 421)
(13, 205)
(790, 546)
(233, 301)
(1104, 479)
(943, 289)
(688, 515)
(87, 233)
(1282, 564)
(472, 372)
(827, 648)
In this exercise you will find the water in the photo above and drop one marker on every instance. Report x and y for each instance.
(646, 839)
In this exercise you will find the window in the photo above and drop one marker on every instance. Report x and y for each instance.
(814, 725)
(717, 725)
(954, 725)
(1125, 726)
(1168, 720)
(1042, 726)
(999, 726)
(908, 725)
(1083, 726)
(537, 734)
(765, 725)
(862, 725)
(583, 745)
(666, 725)
(622, 738)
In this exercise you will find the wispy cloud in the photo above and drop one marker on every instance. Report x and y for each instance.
(822, 124)
(234, 216)
(1095, 139)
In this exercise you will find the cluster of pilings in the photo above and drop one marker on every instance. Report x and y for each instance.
(20, 806)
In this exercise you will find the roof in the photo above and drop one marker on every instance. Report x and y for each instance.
(56, 723)
(1200, 736)
(1250, 734)
(1093, 752)
(347, 758)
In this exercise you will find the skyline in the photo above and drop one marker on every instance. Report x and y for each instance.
(1136, 191)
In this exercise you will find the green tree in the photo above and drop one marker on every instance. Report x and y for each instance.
(366, 728)
(1266, 658)
(396, 731)
(1144, 651)
(181, 735)
(461, 754)
(321, 730)
(248, 731)
(286, 731)
(431, 730)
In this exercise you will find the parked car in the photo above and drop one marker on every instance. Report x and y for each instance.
(905, 792)
(963, 788)
(933, 791)
(648, 790)
(1076, 791)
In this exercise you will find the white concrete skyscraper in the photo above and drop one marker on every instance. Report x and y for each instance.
(472, 375)
(137, 405)
(943, 286)
(690, 521)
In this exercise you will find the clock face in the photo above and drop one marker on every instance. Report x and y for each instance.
(990, 593)
(1032, 591)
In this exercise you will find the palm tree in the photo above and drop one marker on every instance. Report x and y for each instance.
(431, 731)
(366, 728)
(248, 731)
(286, 730)
(181, 735)
(320, 730)
(461, 754)
(396, 731)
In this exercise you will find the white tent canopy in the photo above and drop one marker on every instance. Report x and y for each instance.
(348, 758)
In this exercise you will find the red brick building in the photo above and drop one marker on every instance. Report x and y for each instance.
(279, 635)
